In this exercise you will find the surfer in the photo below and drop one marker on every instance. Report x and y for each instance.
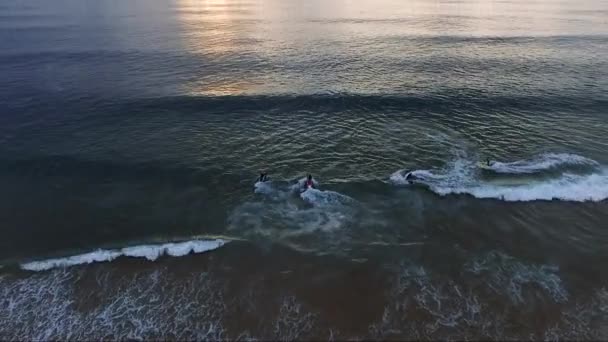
(410, 177)
(263, 177)
(309, 182)
(486, 164)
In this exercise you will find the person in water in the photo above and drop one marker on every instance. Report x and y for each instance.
(309, 182)
(488, 162)
(263, 177)
(410, 177)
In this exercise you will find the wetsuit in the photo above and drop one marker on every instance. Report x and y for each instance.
(410, 177)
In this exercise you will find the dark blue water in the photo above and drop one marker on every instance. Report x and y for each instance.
(136, 129)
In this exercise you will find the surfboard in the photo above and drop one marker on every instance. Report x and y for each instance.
(419, 182)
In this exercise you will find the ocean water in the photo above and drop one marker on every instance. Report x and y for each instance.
(132, 133)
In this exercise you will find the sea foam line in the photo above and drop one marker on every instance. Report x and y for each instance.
(149, 252)
(567, 187)
(575, 188)
(542, 162)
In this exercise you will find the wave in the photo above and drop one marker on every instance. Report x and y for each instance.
(543, 162)
(80, 167)
(149, 252)
(462, 178)
(568, 187)
(319, 103)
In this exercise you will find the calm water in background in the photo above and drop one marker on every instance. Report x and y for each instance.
(126, 126)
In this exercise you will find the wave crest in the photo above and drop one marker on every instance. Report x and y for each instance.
(568, 187)
(543, 162)
(462, 178)
(149, 252)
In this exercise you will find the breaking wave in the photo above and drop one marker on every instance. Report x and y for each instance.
(568, 187)
(540, 163)
(461, 177)
(149, 252)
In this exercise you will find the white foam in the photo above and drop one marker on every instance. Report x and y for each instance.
(262, 187)
(507, 275)
(293, 321)
(543, 162)
(569, 187)
(149, 252)
(86, 258)
(290, 223)
(129, 307)
(319, 197)
(459, 177)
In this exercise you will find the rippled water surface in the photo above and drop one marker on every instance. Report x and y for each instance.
(132, 133)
